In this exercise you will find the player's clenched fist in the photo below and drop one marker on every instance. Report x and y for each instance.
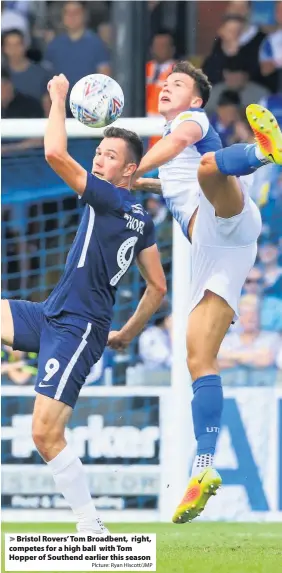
(116, 340)
(58, 87)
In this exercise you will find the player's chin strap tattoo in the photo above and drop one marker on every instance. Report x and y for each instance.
(147, 184)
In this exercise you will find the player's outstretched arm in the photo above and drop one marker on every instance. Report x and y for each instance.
(150, 267)
(187, 133)
(148, 184)
(55, 140)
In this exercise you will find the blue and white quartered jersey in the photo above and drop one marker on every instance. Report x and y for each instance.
(112, 232)
(180, 186)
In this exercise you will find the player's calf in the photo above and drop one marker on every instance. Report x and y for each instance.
(49, 420)
(207, 326)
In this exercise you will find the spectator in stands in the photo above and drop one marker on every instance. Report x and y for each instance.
(77, 52)
(270, 55)
(251, 347)
(14, 20)
(162, 221)
(242, 131)
(28, 78)
(236, 78)
(270, 307)
(105, 32)
(269, 189)
(226, 46)
(17, 367)
(226, 116)
(157, 70)
(254, 282)
(268, 254)
(250, 39)
(15, 106)
(157, 209)
(274, 103)
(155, 345)
(97, 12)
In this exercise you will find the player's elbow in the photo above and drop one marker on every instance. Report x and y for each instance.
(53, 156)
(159, 288)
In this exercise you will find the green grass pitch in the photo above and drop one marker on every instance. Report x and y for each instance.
(195, 547)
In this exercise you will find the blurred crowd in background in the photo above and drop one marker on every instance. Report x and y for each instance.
(244, 64)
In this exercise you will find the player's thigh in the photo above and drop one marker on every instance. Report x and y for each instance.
(207, 326)
(223, 191)
(21, 324)
(66, 356)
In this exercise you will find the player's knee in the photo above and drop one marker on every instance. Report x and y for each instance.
(200, 363)
(45, 437)
(207, 165)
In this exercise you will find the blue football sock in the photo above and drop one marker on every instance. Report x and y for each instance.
(238, 159)
(207, 406)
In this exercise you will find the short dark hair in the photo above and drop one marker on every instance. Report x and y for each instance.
(164, 32)
(133, 141)
(201, 80)
(229, 97)
(11, 32)
(235, 64)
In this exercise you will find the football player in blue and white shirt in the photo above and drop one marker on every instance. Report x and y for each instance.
(206, 191)
(71, 328)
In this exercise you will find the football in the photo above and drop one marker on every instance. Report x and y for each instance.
(96, 100)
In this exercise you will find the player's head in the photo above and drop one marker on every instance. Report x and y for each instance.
(118, 156)
(186, 87)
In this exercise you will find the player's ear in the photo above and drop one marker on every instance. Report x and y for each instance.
(129, 169)
(196, 101)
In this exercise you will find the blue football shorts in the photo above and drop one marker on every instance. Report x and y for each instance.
(67, 348)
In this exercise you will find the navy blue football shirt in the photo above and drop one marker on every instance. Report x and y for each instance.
(113, 230)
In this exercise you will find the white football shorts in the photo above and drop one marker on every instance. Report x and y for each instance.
(223, 250)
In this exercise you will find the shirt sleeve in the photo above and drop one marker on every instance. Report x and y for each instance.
(150, 235)
(196, 116)
(101, 195)
(266, 51)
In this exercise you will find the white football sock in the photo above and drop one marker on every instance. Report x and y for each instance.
(70, 479)
(201, 462)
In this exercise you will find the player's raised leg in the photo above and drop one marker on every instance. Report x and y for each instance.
(48, 430)
(207, 326)
(217, 170)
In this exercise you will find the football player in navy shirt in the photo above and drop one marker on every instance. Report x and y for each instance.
(72, 327)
